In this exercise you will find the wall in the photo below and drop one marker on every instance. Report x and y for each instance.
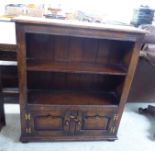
(113, 9)
(7, 31)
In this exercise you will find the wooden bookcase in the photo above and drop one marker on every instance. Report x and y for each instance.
(74, 78)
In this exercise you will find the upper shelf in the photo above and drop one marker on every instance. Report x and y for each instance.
(8, 63)
(72, 67)
(8, 47)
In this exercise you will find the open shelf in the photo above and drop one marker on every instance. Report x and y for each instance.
(72, 67)
(10, 95)
(70, 97)
(10, 91)
(8, 63)
(77, 54)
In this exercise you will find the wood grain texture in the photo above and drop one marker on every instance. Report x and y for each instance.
(77, 68)
(21, 54)
(2, 115)
(8, 47)
(129, 78)
(71, 97)
(8, 74)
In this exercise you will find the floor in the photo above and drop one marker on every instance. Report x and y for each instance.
(136, 132)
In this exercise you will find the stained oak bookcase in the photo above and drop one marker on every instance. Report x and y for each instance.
(74, 78)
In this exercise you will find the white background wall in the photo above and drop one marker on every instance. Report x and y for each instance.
(115, 9)
(7, 33)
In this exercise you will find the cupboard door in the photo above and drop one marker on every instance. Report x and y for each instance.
(99, 122)
(95, 122)
(72, 124)
(48, 122)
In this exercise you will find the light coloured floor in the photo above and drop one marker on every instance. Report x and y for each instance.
(135, 133)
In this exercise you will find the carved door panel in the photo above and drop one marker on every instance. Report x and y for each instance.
(72, 122)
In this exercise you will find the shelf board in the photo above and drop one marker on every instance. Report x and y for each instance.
(11, 95)
(8, 47)
(77, 68)
(68, 97)
(8, 63)
(10, 91)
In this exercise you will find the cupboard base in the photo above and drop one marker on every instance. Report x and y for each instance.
(25, 139)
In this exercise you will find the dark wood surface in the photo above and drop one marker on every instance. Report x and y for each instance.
(8, 47)
(77, 68)
(142, 89)
(81, 78)
(2, 115)
(8, 76)
(76, 54)
(71, 97)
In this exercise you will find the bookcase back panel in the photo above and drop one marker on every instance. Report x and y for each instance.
(69, 81)
(52, 49)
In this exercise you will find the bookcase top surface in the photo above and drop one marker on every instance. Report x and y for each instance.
(78, 24)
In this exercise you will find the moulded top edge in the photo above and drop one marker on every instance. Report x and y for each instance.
(78, 24)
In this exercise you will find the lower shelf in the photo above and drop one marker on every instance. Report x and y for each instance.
(11, 95)
(72, 98)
